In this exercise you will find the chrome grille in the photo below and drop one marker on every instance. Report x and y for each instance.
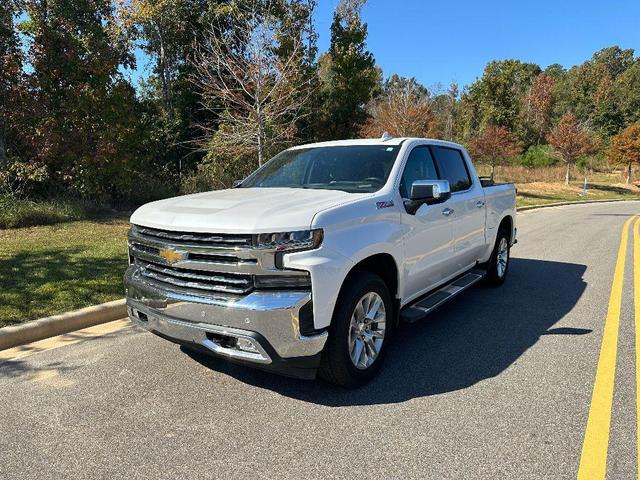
(146, 248)
(228, 259)
(207, 265)
(213, 240)
(198, 281)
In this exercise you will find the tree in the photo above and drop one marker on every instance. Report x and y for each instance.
(167, 28)
(555, 70)
(11, 76)
(539, 105)
(493, 146)
(85, 118)
(166, 31)
(298, 32)
(349, 77)
(615, 59)
(570, 141)
(403, 110)
(452, 99)
(589, 90)
(625, 147)
(627, 90)
(242, 73)
(445, 106)
(497, 97)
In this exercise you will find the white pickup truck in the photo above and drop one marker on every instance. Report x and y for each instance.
(308, 265)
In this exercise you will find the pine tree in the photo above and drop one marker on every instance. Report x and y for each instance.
(348, 74)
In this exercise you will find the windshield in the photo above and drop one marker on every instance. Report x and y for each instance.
(352, 168)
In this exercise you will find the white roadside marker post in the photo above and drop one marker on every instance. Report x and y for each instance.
(584, 187)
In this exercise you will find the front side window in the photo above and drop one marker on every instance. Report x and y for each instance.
(419, 166)
(452, 167)
(350, 168)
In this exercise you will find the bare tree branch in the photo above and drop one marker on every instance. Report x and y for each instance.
(259, 95)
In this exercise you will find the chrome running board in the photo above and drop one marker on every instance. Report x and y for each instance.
(417, 311)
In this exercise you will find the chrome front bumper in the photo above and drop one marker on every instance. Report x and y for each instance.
(268, 319)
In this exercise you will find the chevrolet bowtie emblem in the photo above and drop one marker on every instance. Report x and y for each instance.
(172, 256)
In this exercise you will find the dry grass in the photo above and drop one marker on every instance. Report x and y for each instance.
(520, 175)
(525, 175)
(537, 186)
(538, 193)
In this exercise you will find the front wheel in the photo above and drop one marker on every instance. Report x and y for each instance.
(498, 264)
(358, 333)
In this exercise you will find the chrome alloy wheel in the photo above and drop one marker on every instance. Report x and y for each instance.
(366, 332)
(503, 257)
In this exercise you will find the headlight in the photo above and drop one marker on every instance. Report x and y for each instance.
(290, 241)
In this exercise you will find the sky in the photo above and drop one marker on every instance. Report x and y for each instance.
(442, 41)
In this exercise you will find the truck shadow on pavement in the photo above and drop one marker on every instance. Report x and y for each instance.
(475, 337)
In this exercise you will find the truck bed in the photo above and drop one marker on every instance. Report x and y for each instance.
(499, 197)
(489, 182)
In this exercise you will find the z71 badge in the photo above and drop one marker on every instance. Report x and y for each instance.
(385, 204)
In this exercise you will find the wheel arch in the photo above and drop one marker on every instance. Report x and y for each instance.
(385, 266)
(506, 223)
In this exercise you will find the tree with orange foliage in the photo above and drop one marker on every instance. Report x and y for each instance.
(493, 146)
(625, 147)
(539, 104)
(571, 140)
(404, 110)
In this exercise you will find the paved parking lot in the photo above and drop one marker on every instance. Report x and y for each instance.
(497, 384)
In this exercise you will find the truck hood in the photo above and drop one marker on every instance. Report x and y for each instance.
(241, 210)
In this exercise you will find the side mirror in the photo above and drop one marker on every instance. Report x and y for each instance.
(236, 183)
(429, 192)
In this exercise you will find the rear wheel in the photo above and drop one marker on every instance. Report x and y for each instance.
(359, 329)
(498, 264)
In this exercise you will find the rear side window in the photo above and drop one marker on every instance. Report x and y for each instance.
(419, 166)
(452, 167)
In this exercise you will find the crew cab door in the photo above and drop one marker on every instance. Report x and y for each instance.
(429, 240)
(467, 202)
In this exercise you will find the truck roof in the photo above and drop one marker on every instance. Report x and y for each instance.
(376, 141)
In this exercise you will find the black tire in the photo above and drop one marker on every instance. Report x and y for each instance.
(336, 365)
(495, 274)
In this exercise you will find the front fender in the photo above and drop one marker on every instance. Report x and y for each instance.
(343, 248)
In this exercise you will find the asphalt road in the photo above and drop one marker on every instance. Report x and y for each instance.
(497, 384)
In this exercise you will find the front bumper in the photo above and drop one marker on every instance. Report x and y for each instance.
(266, 323)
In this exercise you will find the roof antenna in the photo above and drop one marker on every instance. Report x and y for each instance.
(386, 136)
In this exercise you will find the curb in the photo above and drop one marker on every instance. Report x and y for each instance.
(577, 202)
(35, 330)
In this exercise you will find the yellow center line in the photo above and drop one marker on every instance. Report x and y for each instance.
(593, 461)
(636, 304)
(64, 339)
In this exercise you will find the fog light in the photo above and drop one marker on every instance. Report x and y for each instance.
(283, 281)
(246, 345)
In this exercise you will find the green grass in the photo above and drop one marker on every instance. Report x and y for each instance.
(26, 213)
(52, 269)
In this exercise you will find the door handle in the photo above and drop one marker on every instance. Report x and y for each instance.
(447, 211)
(479, 204)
